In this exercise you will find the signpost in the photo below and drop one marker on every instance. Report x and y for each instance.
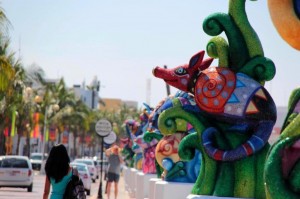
(103, 128)
(111, 138)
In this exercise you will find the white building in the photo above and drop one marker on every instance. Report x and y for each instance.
(89, 96)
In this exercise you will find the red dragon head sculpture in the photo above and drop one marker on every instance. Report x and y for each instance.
(182, 76)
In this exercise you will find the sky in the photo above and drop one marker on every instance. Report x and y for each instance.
(120, 42)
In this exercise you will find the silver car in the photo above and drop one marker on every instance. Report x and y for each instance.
(16, 171)
(91, 166)
(36, 160)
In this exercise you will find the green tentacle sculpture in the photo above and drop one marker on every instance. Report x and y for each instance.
(238, 13)
(245, 50)
(167, 125)
(282, 168)
(242, 178)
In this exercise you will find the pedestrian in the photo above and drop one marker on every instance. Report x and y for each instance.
(58, 172)
(113, 170)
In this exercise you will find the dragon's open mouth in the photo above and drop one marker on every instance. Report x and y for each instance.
(290, 158)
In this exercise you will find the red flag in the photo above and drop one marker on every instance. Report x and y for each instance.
(36, 130)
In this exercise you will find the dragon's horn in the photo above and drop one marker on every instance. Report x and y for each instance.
(147, 107)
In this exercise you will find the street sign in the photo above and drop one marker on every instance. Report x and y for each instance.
(103, 127)
(111, 138)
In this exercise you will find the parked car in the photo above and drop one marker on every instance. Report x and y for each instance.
(84, 174)
(91, 166)
(16, 171)
(36, 160)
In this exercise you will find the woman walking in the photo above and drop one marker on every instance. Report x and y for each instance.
(58, 172)
(113, 171)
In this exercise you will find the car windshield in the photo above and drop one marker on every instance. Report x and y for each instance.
(36, 157)
(79, 167)
(13, 163)
(84, 162)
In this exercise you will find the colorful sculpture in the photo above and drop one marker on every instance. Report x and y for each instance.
(235, 99)
(176, 170)
(127, 152)
(134, 129)
(282, 169)
(166, 153)
(285, 15)
(148, 161)
(234, 114)
(148, 148)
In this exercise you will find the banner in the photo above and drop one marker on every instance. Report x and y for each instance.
(65, 137)
(52, 133)
(13, 122)
(6, 131)
(36, 130)
(88, 139)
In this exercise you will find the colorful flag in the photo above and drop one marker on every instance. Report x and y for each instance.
(6, 131)
(36, 130)
(65, 138)
(13, 122)
(52, 133)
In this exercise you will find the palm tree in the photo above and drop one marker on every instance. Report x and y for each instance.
(66, 100)
(7, 72)
(21, 104)
(12, 89)
(79, 121)
(34, 74)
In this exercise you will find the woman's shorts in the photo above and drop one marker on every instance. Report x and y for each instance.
(113, 177)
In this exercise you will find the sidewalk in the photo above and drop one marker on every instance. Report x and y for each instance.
(123, 194)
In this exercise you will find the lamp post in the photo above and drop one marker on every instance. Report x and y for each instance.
(28, 101)
(103, 128)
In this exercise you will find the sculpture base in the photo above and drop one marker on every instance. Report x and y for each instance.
(142, 184)
(132, 182)
(191, 196)
(126, 174)
(152, 183)
(164, 190)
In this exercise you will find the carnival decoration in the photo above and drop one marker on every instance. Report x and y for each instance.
(148, 148)
(148, 161)
(282, 167)
(285, 15)
(174, 169)
(134, 129)
(127, 152)
(234, 114)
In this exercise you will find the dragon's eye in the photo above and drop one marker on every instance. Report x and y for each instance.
(180, 71)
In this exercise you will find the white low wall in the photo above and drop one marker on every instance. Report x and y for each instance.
(152, 183)
(126, 174)
(191, 196)
(142, 185)
(174, 190)
(132, 182)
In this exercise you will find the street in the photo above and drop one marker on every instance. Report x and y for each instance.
(38, 188)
